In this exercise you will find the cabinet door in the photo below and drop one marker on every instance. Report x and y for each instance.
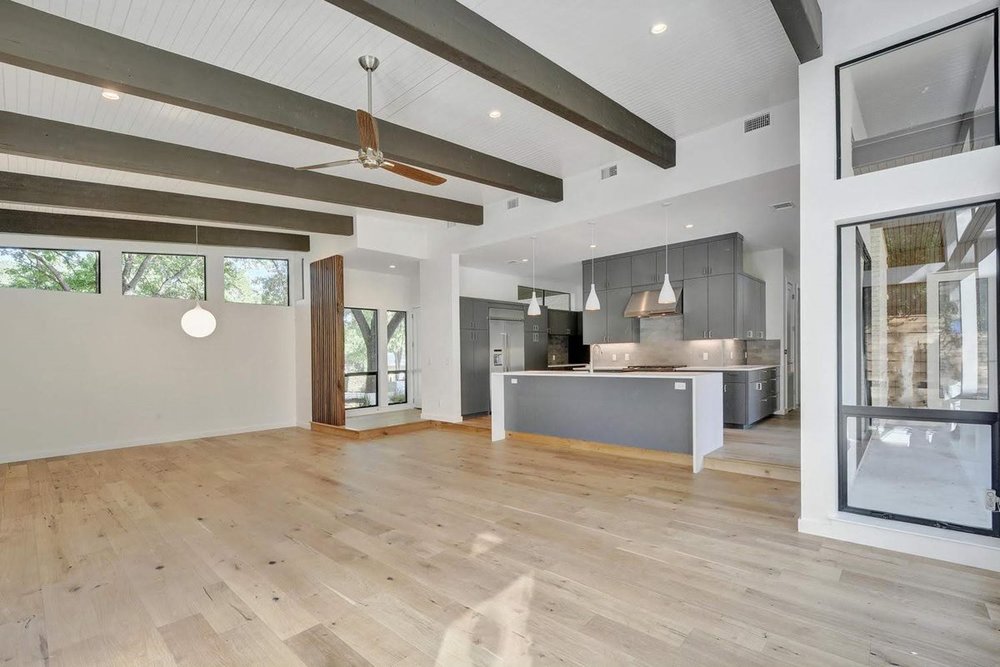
(600, 278)
(695, 260)
(695, 308)
(744, 307)
(644, 269)
(559, 322)
(734, 402)
(619, 273)
(721, 306)
(674, 265)
(595, 322)
(722, 256)
(468, 370)
(473, 313)
(466, 313)
(481, 361)
(621, 329)
(761, 308)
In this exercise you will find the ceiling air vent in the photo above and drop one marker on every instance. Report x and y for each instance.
(757, 122)
(781, 206)
(609, 172)
(513, 203)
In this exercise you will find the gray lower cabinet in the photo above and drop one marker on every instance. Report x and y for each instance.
(475, 370)
(749, 396)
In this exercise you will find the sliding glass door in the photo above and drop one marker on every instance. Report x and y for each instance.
(918, 368)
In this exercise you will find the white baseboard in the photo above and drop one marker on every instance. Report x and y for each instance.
(22, 456)
(947, 545)
(451, 419)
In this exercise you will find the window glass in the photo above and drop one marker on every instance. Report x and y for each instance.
(47, 269)
(256, 280)
(396, 356)
(166, 276)
(360, 358)
(925, 99)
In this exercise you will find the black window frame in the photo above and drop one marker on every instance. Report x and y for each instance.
(994, 13)
(204, 268)
(39, 289)
(406, 353)
(845, 412)
(288, 280)
(378, 399)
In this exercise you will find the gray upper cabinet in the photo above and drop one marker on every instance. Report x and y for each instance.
(564, 323)
(722, 256)
(595, 322)
(721, 306)
(644, 270)
(621, 329)
(696, 308)
(619, 273)
(473, 314)
(695, 260)
(600, 278)
(675, 263)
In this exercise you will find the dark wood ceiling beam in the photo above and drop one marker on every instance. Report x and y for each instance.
(454, 32)
(803, 23)
(64, 142)
(125, 229)
(68, 193)
(43, 42)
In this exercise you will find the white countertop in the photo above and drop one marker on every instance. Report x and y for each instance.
(599, 374)
(726, 368)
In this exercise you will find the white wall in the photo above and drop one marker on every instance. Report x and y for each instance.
(769, 266)
(439, 339)
(853, 28)
(483, 284)
(82, 372)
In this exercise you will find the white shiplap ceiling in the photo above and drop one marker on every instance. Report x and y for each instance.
(717, 61)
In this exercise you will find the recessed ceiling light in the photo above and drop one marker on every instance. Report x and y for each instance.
(496, 113)
(688, 226)
(110, 95)
(525, 259)
(392, 266)
(658, 28)
(593, 245)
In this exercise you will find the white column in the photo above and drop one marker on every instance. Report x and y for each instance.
(440, 381)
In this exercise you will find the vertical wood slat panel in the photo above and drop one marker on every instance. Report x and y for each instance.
(326, 280)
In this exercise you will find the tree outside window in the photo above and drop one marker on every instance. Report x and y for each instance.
(165, 276)
(53, 270)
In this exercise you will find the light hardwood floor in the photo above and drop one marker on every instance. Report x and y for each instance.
(289, 547)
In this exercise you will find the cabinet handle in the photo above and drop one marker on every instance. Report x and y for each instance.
(709, 333)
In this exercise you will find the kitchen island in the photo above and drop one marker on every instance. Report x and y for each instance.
(674, 416)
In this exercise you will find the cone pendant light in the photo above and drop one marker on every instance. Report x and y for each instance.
(593, 303)
(533, 307)
(667, 291)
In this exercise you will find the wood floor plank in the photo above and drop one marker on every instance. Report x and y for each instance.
(439, 547)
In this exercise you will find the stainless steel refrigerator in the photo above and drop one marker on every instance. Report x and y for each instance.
(506, 340)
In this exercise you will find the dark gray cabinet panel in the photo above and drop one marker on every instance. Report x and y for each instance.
(734, 403)
(619, 272)
(721, 306)
(595, 322)
(696, 309)
(675, 263)
(536, 341)
(475, 372)
(564, 323)
(473, 314)
(621, 329)
(760, 307)
(644, 269)
(695, 260)
(722, 256)
(600, 278)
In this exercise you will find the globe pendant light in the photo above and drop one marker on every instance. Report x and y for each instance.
(533, 307)
(593, 303)
(198, 322)
(667, 291)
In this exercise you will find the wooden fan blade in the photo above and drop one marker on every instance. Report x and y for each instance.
(367, 130)
(335, 163)
(420, 175)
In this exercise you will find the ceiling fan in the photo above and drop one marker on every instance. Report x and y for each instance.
(369, 155)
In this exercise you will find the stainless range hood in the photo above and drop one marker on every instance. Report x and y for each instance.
(644, 304)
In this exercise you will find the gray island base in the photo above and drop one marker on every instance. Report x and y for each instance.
(679, 413)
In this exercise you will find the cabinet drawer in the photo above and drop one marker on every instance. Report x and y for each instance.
(735, 376)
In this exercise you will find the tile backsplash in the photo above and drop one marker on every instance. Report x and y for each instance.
(661, 343)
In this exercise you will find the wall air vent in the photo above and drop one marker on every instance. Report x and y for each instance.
(757, 122)
(513, 203)
(609, 172)
(781, 206)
